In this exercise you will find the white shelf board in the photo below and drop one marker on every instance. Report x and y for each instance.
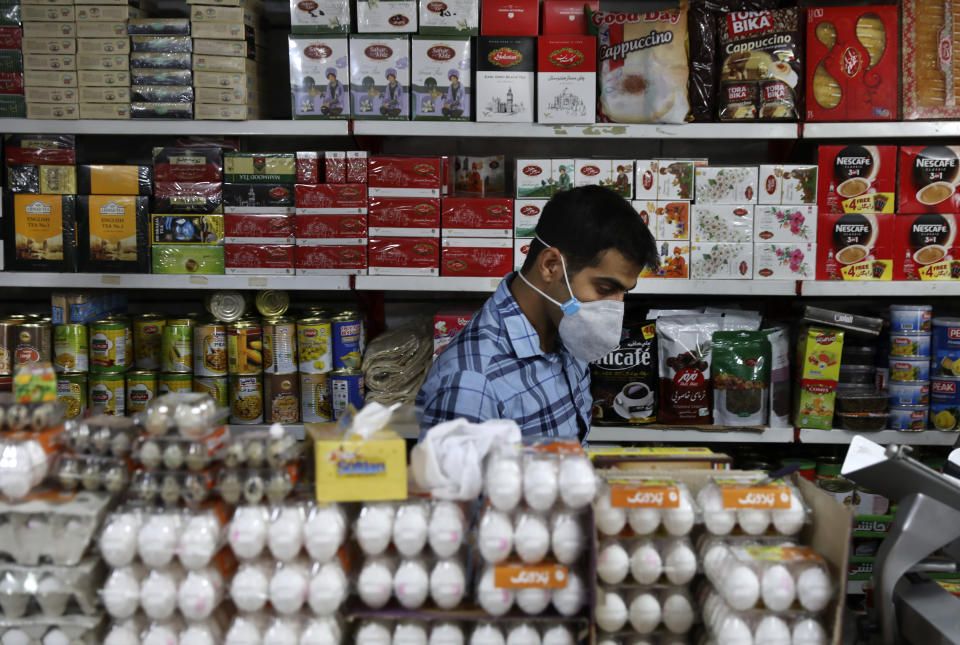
(405, 430)
(159, 281)
(717, 287)
(425, 283)
(836, 436)
(881, 130)
(900, 289)
(172, 127)
(738, 131)
(616, 434)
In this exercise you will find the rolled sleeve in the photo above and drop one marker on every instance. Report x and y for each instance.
(465, 394)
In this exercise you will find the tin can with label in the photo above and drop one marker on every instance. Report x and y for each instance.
(142, 387)
(227, 306)
(908, 418)
(210, 349)
(246, 398)
(271, 303)
(346, 388)
(8, 335)
(107, 390)
(175, 383)
(176, 350)
(913, 318)
(946, 346)
(279, 346)
(32, 343)
(316, 352)
(346, 331)
(909, 392)
(216, 386)
(245, 347)
(108, 345)
(909, 369)
(910, 345)
(148, 341)
(128, 329)
(71, 348)
(315, 398)
(945, 404)
(72, 393)
(281, 398)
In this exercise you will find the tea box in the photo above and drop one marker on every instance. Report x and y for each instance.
(476, 257)
(386, 16)
(781, 184)
(615, 174)
(449, 17)
(543, 178)
(440, 72)
(506, 72)
(380, 77)
(567, 80)
(319, 77)
(721, 261)
(114, 233)
(784, 261)
(785, 223)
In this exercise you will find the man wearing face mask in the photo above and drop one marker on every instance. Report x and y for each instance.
(524, 355)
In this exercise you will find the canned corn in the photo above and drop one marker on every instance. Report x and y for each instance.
(216, 386)
(71, 348)
(313, 338)
(245, 347)
(107, 390)
(142, 387)
(315, 398)
(176, 350)
(72, 393)
(210, 349)
(271, 303)
(246, 398)
(175, 383)
(148, 341)
(108, 345)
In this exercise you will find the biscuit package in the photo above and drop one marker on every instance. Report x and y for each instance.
(930, 63)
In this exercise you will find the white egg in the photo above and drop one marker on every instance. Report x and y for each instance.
(487, 635)
(609, 520)
(375, 528)
(814, 589)
(777, 588)
(199, 541)
(410, 529)
(375, 583)
(494, 601)
(753, 521)
(158, 593)
(157, 540)
(285, 534)
(540, 483)
(495, 536)
(570, 599)
(321, 631)
(734, 631)
(789, 521)
(250, 587)
(14, 637)
(503, 482)
(446, 530)
(645, 563)
(39, 462)
(531, 538)
(16, 474)
(289, 588)
(523, 634)
(678, 613)
(613, 563)
(680, 564)
(245, 630)
(809, 632)
(283, 631)
(409, 634)
(122, 634)
(160, 634)
(679, 521)
(55, 636)
(567, 540)
(446, 634)
(324, 532)
(247, 532)
(118, 542)
(577, 481)
(558, 635)
(411, 584)
(643, 521)
(645, 613)
(772, 630)
(374, 634)
(200, 634)
(718, 520)
(740, 588)
(121, 592)
(714, 559)
(533, 601)
(448, 583)
(328, 589)
(200, 593)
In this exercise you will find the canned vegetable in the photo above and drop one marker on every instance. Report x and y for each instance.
(910, 418)
(176, 351)
(346, 329)
(227, 306)
(245, 347)
(210, 349)
(71, 349)
(107, 390)
(246, 398)
(174, 382)
(346, 388)
(32, 343)
(909, 392)
(148, 341)
(142, 387)
(279, 346)
(316, 353)
(108, 345)
(72, 393)
(272, 303)
(910, 345)
(315, 398)
(281, 398)
(216, 386)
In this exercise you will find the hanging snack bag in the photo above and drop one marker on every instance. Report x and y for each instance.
(780, 387)
(684, 357)
(740, 361)
(624, 382)
(643, 66)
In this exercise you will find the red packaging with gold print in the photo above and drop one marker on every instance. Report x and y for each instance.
(259, 258)
(855, 246)
(404, 216)
(926, 247)
(405, 176)
(857, 179)
(404, 256)
(477, 217)
(331, 198)
(928, 179)
(332, 259)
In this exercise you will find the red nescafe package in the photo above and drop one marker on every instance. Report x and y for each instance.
(928, 179)
(684, 344)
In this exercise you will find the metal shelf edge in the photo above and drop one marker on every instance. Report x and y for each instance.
(618, 434)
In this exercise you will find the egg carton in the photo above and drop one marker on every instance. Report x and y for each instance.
(568, 601)
(192, 415)
(174, 487)
(411, 526)
(141, 629)
(725, 625)
(100, 434)
(172, 452)
(157, 536)
(25, 459)
(412, 582)
(631, 638)
(56, 528)
(750, 508)
(644, 610)
(254, 486)
(288, 530)
(92, 472)
(774, 576)
(49, 589)
(76, 629)
(520, 632)
(162, 593)
(258, 449)
(267, 629)
(532, 536)
(646, 507)
(29, 417)
(647, 561)
(291, 587)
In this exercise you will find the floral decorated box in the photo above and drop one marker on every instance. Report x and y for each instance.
(721, 262)
(779, 261)
(726, 185)
(729, 223)
(785, 224)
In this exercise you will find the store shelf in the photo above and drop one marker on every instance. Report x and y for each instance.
(424, 283)
(738, 131)
(173, 127)
(405, 430)
(836, 436)
(615, 434)
(881, 130)
(717, 287)
(157, 281)
(904, 289)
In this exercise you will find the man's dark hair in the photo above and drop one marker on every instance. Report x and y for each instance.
(586, 221)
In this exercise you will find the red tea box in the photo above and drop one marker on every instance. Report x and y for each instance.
(477, 217)
(188, 164)
(308, 168)
(925, 247)
(521, 249)
(259, 228)
(357, 166)
(335, 167)
(510, 17)
(332, 259)
(566, 17)
(853, 61)
(404, 256)
(273, 259)
(928, 179)
(448, 323)
(855, 246)
(478, 257)
(405, 176)
(567, 80)
(404, 216)
(857, 178)
(331, 198)
(311, 227)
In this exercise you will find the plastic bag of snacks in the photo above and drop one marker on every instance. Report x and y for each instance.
(684, 354)
(741, 377)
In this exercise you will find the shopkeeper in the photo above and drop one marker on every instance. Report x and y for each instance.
(524, 355)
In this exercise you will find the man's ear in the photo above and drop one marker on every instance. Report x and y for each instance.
(550, 266)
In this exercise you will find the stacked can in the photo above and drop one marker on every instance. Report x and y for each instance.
(245, 367)
(945, 368)
(210, 360)
(346, 379)
(909, 385)
(111, 355)
(316, 363)
(143, 382)
(281, 381)
(71, 354)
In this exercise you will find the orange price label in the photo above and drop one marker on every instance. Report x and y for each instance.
(658, 496)
(538, 576)
(782, 553)
(770, 497)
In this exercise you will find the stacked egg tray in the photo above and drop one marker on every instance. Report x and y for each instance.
(29, 434)
(95, 454)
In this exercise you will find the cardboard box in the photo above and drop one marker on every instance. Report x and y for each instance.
(322, 199)
(784, 261)
(521, 248)
(526, 215)
(673, 220)
(64, 111)
(106, 13)
(567, 79)
(219, 112)
(47, 13)
(161, 94)
(724, 223)
(41, 234)
(855, 247)
(358, 162)
(785, 224)
(544, 177)
(404, 216)
(380, 59)
(225, 64)
(118, 78)
(334, 167)
(260, 259)
(510, 18)
(104, 111)
(341, 460)
(104, 62)
(159, 26)
(447, 323)
(215, 47)
(50, 62)
(404, 256)
(188, 165)
(103, 46)
(319, 78)
(440, 79)
(11, 83)
(187, 259)
(506, 71)
(63, 45)
(259, 228)
(113, 234)
(404, 176)
(50, 30)
(260, 168)
(100, 29)
(225, 31)
(92, 94)
(674, 258)
(97, 179)
(51, 94)
(330, 228)
(648, 213)
(312, 17)
(726, 185)
(186, 229)
(476, 217)
(36, 78)
(928, 61)
(787, 185)
(675, 180)
(857, 178)
(333, 259)
(387, 16)
(928, 179)
(721, 261)
(476, 257)
(646, 185)
(449, 18)
(258, 198)
(615, 174)
(567, 17)
(207, 13)
(925, 247)
(308, 167)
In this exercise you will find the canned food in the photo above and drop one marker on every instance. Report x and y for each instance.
(909, 418)
(128, 336)
(71, 349)
(6, 383)
(108, 345)
(246, 398)
(316, 353)
(910, 318)
(216, 386)
(909, 393)
(148, 341)
(279, 346)
(346, 329)
(107, 391)
(72, 393)
(909, 369)
(8, 335)
(281, 398)
(32, 343)
(829, 480)
(946, 346)
(227, 306)
(210, 349)
(176, 383)
(910, 345)
(245, 347)
(272, 303)
(142, 387)
(346, 388)
(945, 404)
(176, 350)
(315, 398)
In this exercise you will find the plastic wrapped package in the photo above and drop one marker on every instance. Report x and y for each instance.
(645, 610)
(173, 452)
(175, 487)
(40, 149)
(395, 364)
(57, 529)
(75, 629)
(735, 502)
(325, 531)
(50, 589)
(158, 26)
(181, 77)
(160, 44)
(726, 625)
(161, 93)
(92, 472)
(143, 110)
(255, 485)
(172, 164)
(192, 415)
(162, 60)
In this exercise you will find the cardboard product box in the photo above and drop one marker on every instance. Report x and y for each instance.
(161, 93)
(50, 30)
(726, 185)
(855, 246)
(65, 45)
(259, 168)
(928, 61)
(675, 179)
(480, 176)
(187, 259)
(225, 31)
(321, 228)
(107, 13)
(35, 78)
(319, 78)
(50, 62)
(213, 47)
(113, 78)
(784, 261)
(928, 179)
(358, 166)
(854, 86)
(158, 26)
(673, 220)
(63, 111)
(40, 149)
(312, 17)
(11, 84)
(259, 228)
(258, 198)
(510, 18)
(387, 16)
(615, 174)
(646, 172)
(47, 13)
(505, 80)
(182, 202)
(477, 217)
(207, 190)
(308, 167)
(103, 45)
(787, 184)
(11, 61)
(404, 176)
(566, 17)
(404, 216)
(925, 247)
(188, 165)
(103, 62)
(323, 199)
(526, 214)
(447, 323)
(721, 261)
(857, 178)
(210, 13)
(332, 259)
(404, 256)
(476, 257)
(567, 79)
(521, 248)
(187, 229)
(544, 177)
(379, 83)
(105, 95)
(451, 18)
(674, 260)
(10, 15)
(100, 29)
(648, 213)
(726, 223)
(114, 179)
(41, 234)
(113, 235)
(785, 223)
(334, 167)
(218, 112)
(23, 179)
(225, 64)
(819, 352)
(104, 111)
(51, 94)
(260, 259)
(440, 72)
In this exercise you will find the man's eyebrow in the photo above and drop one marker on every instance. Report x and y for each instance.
(613, 282)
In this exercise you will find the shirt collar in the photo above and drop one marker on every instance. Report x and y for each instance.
(520, 331)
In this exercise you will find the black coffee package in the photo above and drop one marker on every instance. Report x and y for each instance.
(624, 382)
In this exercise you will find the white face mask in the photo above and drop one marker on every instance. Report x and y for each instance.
(589, 330)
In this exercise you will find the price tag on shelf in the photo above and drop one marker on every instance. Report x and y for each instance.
(257, 282)
(109, 279)
(198, 279)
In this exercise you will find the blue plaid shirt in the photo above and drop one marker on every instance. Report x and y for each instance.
(494, 369)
